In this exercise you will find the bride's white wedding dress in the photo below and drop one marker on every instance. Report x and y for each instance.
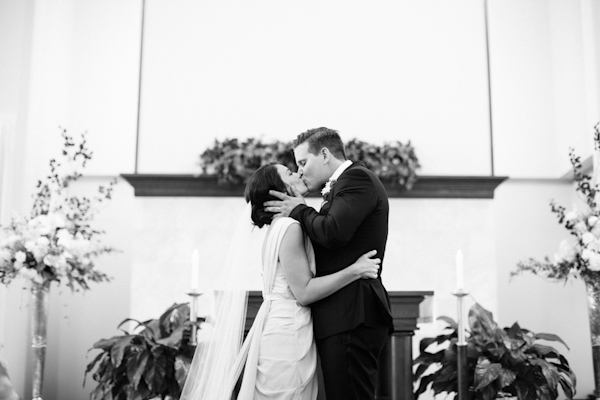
(281, 358)
(287, 356)
(278, 357)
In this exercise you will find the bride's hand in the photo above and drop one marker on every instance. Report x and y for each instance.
(367, 267)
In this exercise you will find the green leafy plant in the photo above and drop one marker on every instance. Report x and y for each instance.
(152, 363)
(234, 161)
(394, 162)
(500, 362)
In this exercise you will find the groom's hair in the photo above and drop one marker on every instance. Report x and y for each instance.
(322, 137)
(257, 192)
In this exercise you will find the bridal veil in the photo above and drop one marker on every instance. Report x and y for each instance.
(219, 359)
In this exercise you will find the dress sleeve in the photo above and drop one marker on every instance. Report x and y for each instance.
(353, 200)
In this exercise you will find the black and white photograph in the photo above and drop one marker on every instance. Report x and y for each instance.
(299, 200)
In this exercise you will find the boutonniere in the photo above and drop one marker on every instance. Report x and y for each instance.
(328, 186)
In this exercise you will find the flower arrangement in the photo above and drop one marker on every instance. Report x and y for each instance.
(501, 362)
(580, 256)
(57, 241)
(395, 162)
(234, 161)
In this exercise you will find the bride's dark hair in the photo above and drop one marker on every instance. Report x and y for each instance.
(257, 192)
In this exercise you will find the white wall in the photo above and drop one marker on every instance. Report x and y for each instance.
(84, 71)
(379, 71)
(214, 72)
(540, 91)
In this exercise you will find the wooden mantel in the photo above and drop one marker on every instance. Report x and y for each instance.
(395, 377)
(476, 187)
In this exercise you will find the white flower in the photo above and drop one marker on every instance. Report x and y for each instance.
(51, 260)
(588, 238)
(40, 224)
(570, 216)
(11, 240)
(29, 245)
(30, 273)
(63, 237)
(56, 221)
(592, 258)
(592, 220)
(580, 227)
(42, 241)
(596, 230)
(566, 252)
(38, 247)
(595, 246)
(20, 256)
(327, 188)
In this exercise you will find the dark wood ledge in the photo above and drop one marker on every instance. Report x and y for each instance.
(465, 187)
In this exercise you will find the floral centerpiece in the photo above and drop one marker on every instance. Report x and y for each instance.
(394, 161)
(579, 256)
(234, 161)
(55, 243)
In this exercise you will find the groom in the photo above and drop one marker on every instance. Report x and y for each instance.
(352, 325)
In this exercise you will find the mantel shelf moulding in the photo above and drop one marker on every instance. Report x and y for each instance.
(426, 187)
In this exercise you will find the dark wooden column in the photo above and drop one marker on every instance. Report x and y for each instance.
(395, 376)
(395, 380)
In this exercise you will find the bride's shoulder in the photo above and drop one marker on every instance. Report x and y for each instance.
(287, 221)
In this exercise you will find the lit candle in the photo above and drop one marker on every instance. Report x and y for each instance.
(195, 269)
(459, 271)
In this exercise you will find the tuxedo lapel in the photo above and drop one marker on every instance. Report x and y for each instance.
(326, 204)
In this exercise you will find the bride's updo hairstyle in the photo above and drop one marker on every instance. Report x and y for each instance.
(257, 192)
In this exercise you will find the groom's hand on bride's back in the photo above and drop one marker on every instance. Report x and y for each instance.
(286, 203)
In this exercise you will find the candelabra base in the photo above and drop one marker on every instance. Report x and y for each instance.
(463, 376)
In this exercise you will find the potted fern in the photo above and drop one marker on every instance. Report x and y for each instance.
(150, 364)
(501, 362)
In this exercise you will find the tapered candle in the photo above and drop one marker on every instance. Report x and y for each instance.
(195, 269)
(459, 271)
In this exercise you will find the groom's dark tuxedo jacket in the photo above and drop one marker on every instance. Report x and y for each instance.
(352, 221)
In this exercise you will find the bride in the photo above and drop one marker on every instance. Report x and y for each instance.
(279, 355)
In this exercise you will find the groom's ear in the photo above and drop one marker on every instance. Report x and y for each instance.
(325, 154)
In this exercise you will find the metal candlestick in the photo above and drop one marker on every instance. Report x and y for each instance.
(194, 315)
(461, 349)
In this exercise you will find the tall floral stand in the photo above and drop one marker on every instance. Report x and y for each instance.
(39, 324)
(593, 295)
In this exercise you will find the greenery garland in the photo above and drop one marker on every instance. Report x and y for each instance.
(233, 161)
